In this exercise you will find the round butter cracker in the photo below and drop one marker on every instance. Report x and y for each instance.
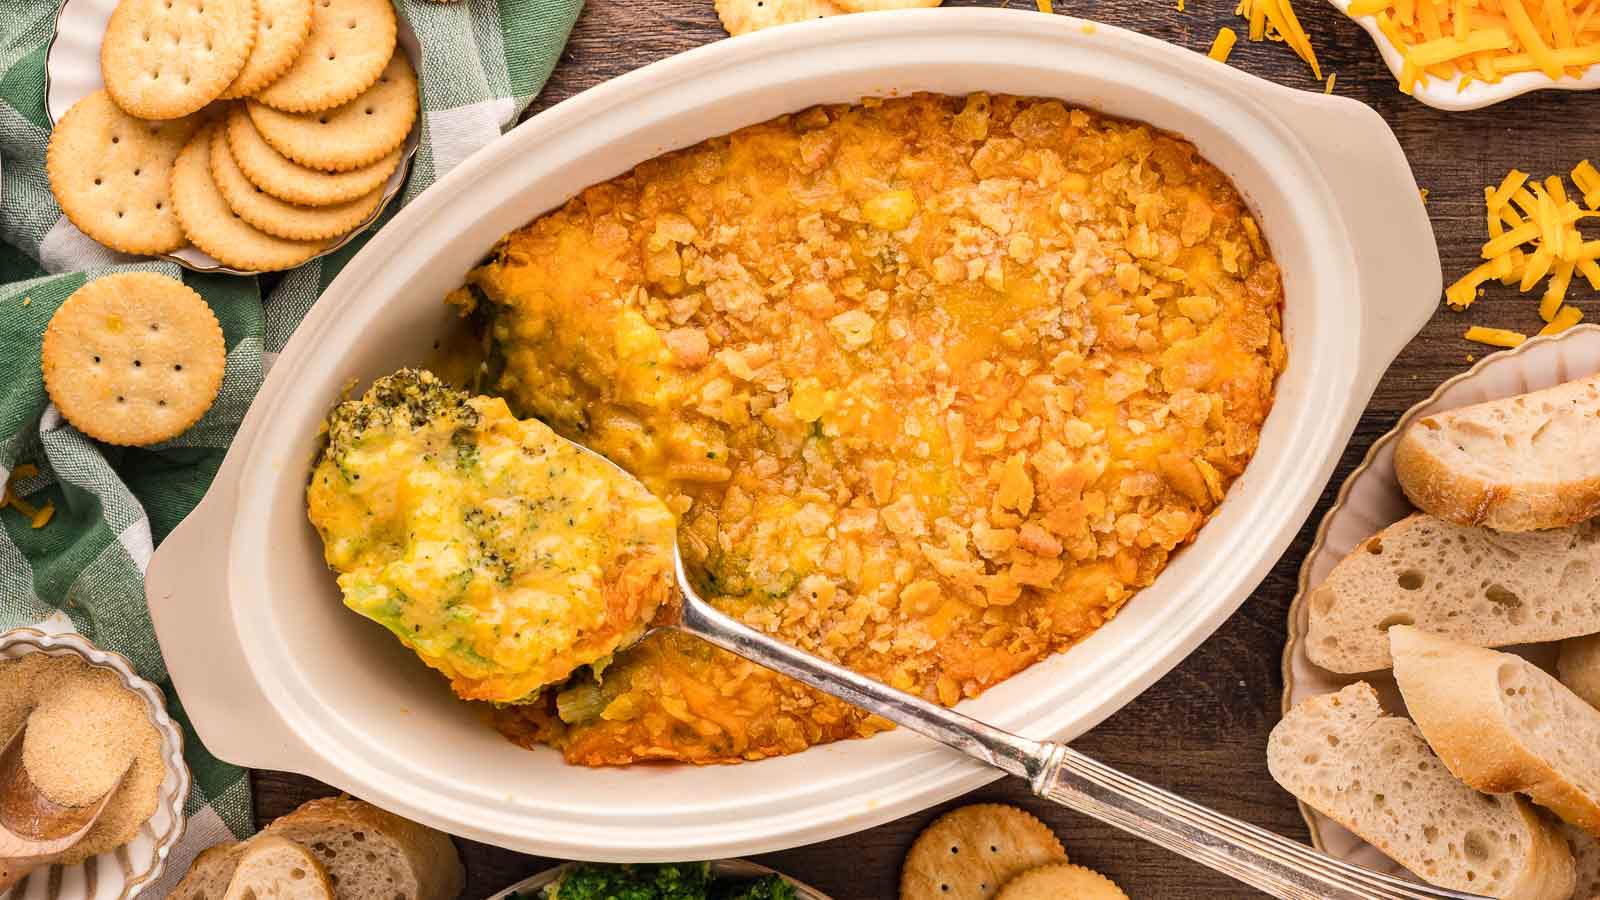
(350, 42)
(165, 59)
(351, 136)
(133, 358)
(274, 216)
(288, 180)
(215, 228)
(968, 853)
(111, 174)
(1061, 882)
(282, 27)
(745, 16)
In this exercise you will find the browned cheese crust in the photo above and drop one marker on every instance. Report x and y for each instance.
(933, 384)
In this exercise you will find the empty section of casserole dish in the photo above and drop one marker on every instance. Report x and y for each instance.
(933, 385)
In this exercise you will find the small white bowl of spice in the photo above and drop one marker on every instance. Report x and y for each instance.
(90, 717)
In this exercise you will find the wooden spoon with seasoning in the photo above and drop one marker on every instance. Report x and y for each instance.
(32, 826)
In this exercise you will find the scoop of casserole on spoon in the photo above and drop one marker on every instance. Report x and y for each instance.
(414, 462)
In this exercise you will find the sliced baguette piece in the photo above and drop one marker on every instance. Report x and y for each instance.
(1477, 586)
(1501, 723)
(1586, 857)
(275, 868)
(210, 873)
(1579, 667)
(1517, 464)
(371, 854)
(1374, 774)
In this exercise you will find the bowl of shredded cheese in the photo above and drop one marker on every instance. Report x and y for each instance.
(89, 719)
(1467, 54)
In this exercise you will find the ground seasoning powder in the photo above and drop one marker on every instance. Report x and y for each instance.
(84, 728)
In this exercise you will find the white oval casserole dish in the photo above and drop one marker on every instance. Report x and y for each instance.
(275, 673)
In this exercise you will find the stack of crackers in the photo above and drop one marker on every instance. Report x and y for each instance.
(991, 851)
(262, 132)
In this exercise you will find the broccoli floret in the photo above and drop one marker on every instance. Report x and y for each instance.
(671, 881)
(769, 888)
(408, 399)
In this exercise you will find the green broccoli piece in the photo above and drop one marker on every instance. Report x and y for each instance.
(408, 399)
(671, 881)
(770, 887)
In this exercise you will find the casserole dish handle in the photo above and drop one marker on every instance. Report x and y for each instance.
(187, 592)
(1396, 256)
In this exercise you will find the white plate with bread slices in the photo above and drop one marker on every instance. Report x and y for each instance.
(1387, 589)
(333, 848)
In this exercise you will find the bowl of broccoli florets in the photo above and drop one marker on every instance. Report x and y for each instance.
(722, 880)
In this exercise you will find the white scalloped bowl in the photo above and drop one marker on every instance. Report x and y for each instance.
(122, 873)
(1449, 95)
(1371, 500)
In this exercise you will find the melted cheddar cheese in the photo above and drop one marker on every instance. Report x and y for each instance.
(933, 386)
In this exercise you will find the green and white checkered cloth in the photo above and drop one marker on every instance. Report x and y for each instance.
(483, 61)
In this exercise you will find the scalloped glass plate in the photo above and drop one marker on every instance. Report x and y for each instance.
(72, 71)
(1371, 500)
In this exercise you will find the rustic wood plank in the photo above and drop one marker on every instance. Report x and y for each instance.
(1202, 730)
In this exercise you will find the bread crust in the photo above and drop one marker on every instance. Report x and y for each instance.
(1454, 694)
(209, 873)
(1579, 667)
(313, 878)
(1506, 501)
(431, 853)
(1462, 589)
(1545, 865)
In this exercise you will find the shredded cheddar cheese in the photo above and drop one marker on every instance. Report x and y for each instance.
(1494, 337)
(1222, 45)
(37, 516)
(1045, 7)
(1566, 318)
(1485, 40)
(1274, 20)
(1587, 178)
(1534, 237)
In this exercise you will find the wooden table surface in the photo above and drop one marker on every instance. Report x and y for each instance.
(1202, 730)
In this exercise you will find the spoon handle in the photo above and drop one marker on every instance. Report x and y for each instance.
(1276, 865)
(1273, 864)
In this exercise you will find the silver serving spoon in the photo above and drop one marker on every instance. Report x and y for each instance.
(1255, 856)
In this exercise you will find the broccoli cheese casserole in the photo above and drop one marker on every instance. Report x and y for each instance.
(931, 385)
(503, 555)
